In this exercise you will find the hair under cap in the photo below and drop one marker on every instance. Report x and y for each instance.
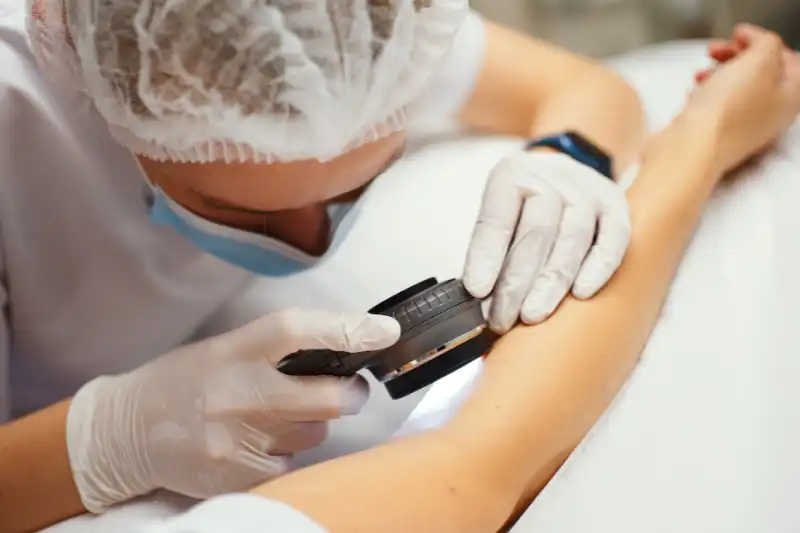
(245, 80)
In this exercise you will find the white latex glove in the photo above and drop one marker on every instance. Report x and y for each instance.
(533, 241)
(216, 416)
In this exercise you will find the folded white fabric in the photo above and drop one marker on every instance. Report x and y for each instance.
(236, 513)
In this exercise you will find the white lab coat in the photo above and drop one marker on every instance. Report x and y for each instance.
(88, 285)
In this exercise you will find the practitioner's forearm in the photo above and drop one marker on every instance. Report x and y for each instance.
(545, 386)
(36, 483)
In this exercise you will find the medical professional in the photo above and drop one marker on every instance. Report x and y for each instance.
(159, 154)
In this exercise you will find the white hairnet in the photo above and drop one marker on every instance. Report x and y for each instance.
(51, 43)
(246, 80)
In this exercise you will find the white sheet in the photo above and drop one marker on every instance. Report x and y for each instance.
(701, 439)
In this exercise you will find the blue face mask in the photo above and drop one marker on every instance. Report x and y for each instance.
(250, 251)
(253, 252)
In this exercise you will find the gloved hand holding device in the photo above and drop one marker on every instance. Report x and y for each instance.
(549, 224)
(216, 416)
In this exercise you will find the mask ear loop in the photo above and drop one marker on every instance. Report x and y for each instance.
(143, 172)
(150, 188)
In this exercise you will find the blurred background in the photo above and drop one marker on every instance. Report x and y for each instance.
(604, 27)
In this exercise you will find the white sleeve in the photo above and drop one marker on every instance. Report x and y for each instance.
(12, 20)
(237, 513)
(5, 355)
(451, 86)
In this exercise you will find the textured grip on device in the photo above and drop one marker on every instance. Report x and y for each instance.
(422, 307)
(431, 309)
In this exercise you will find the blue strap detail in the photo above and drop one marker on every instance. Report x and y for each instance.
(566, 146)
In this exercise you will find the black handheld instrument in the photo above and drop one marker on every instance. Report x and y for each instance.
(443, 329)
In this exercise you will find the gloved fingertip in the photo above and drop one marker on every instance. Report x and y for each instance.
(498, 329)
(591, 279)
(540, 309)
(278, 466)
(478, 286)
(377, 332)
(486, 308)
(500, 324)
(534, 316)
(386, 323)
(355, 395)
(542, 301)
(586, 288)
(581, 292)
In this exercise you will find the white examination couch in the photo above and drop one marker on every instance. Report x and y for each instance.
(705, 436)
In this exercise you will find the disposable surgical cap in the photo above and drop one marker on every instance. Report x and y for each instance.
(245, 80)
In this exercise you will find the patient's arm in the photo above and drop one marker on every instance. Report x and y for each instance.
(543, 386)
(576, 362)
(528, 87)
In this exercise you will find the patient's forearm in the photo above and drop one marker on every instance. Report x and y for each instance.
(602, 106)
(527, 87)
(543, 388)
(36, 484)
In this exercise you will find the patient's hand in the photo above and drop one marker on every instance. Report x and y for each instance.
(723, 51)
(752, 95)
